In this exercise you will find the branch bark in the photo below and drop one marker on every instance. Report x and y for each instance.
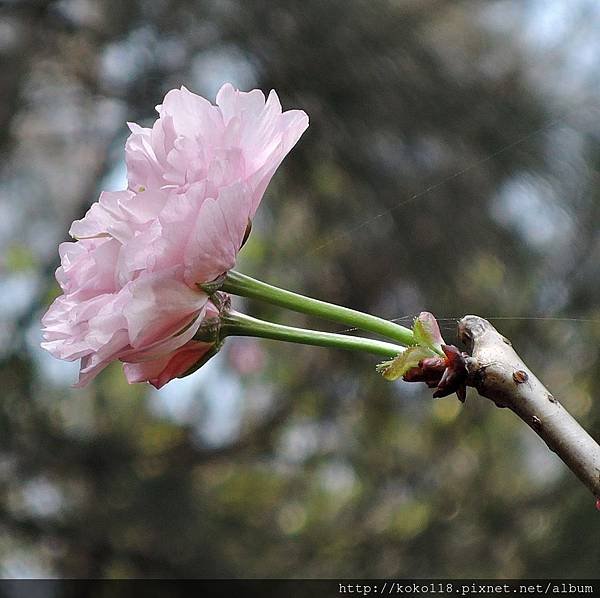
(498, 373)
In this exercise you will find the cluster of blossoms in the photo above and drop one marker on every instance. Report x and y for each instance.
(130, 280)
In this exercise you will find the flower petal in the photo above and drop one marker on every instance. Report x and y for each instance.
(217, 235)
(163, 369)
(160, 306)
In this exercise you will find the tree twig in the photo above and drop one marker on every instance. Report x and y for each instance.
(499, 374)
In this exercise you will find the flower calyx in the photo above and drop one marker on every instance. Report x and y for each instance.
(210, 330)
(211, 288)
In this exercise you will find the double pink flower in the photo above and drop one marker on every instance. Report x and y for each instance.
(195, 180)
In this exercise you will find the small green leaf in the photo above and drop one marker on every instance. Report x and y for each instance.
(427, 332)
(397, 367)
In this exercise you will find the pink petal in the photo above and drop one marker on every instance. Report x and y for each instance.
(217, 235)
(232, 102)
(160, 306)
(160, 371)
(88, 267)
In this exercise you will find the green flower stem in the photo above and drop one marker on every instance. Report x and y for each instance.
(240, 284)
(237, 324)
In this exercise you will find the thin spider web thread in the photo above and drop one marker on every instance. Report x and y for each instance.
(448, 323)
(351, 229)
(421, 194)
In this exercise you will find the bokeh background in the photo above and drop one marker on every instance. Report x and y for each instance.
(452, 164)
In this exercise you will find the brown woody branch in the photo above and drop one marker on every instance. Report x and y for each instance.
(498, 373)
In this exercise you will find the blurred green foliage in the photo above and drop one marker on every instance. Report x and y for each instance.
(443, 170)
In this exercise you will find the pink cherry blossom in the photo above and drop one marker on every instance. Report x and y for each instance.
(130, 279)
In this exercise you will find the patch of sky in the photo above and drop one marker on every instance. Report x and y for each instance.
(225, 64)
(211, 400)
(529, 205)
